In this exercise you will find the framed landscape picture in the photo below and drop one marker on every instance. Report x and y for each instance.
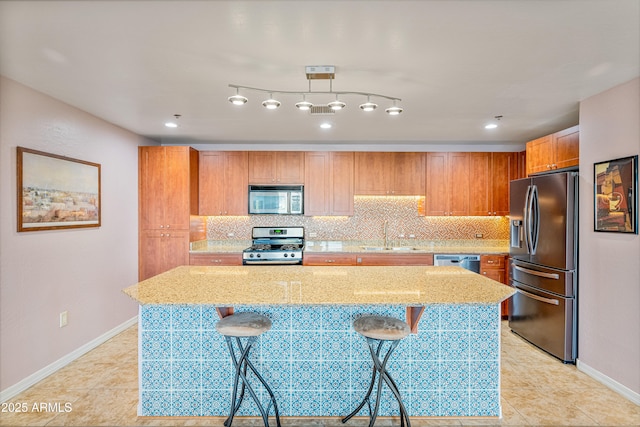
(616, 195)
(56, 192)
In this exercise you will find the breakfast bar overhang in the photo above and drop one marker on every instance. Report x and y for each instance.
(316, 364)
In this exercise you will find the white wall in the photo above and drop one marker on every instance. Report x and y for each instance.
(609, 269)
(43, 273)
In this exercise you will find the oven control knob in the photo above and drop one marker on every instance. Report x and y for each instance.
(286, 255)
(258, 255)
(250, 255)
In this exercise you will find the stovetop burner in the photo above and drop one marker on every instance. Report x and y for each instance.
(271, 245)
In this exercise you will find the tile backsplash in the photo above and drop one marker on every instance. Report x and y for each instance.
(370, 213)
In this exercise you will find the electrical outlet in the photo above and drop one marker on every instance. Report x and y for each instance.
(230, 234)
(63, 319)
(479, 235)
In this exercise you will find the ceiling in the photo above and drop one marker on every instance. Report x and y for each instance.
(454, 64)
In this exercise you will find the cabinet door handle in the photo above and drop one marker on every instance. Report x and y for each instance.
(330, 260)
(161, 226)
(490, 261)
(216, 260)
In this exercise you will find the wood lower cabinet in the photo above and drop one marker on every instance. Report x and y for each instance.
(161, 251)
(276, 167)
(223, 258)
(168, 195)
(495, 267)
(328, 184)
(394, 259)
(328, 258)
(556, 151)
(223, 183)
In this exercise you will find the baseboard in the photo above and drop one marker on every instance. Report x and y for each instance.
(32, 379)
(612, 384)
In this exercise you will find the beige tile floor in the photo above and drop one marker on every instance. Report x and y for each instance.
(537, 390)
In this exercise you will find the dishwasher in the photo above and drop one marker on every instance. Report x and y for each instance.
(470, 262)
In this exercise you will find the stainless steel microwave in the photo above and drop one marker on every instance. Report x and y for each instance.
(276, 199)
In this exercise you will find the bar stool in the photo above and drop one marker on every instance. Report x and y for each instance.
(378, 330)
(246, 325)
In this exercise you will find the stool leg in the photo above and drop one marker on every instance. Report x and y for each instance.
(241, 364)
(368, 393)
(384, 375)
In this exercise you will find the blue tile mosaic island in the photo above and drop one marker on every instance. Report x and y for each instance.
(313, 360)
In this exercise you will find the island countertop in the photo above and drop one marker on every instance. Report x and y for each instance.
(306, 285)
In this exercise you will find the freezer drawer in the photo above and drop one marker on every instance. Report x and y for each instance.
(545, 320)
(561, 282)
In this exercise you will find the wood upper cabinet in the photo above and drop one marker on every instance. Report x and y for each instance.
(328, 184)
(168, 187)
(556, 151)
(276, 167)
(168, 195)
(223, 183)
(504, 169)
(567, 145)
(398, 174)
(447, 184)
(480, 175)
(475, 184)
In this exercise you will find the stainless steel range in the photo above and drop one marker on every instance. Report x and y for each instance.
(274, 246)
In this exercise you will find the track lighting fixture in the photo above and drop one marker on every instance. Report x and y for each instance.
(324, 72)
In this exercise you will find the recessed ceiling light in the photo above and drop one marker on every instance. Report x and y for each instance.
(171, 125)
(325, 125)
(491, 126)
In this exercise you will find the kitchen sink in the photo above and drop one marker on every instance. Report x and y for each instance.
(391, 248)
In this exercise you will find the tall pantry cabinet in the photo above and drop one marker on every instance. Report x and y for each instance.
(167, 196)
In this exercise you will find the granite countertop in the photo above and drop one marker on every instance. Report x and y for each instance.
(306, 285)
(419, 246)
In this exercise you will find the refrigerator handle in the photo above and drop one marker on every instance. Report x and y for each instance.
(537, 273)
(535, 219)
(527, 220)
(539, 298)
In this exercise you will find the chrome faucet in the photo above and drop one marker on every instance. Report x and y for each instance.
(386, 237)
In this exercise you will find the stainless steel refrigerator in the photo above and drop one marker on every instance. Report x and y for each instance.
(543, 262)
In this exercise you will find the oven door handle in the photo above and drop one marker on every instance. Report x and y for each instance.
(539, 298)
(537, 273)
(279, 262)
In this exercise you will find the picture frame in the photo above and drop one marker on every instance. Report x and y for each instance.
(615, 184)
(56, 192)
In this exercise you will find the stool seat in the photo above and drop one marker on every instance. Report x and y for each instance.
(381, 328)
(244, 324)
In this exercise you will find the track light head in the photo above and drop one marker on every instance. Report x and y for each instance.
(337, 105)
(237, 99)
(271, 104)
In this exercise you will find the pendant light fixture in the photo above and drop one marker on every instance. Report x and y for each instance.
(317, 72)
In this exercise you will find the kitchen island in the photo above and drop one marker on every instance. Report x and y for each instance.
(314, 361)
